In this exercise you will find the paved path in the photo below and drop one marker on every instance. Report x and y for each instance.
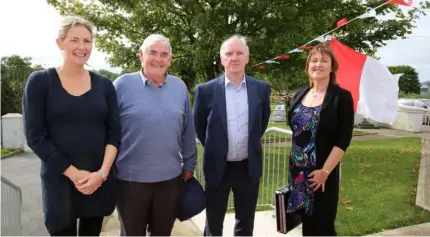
(415, 230)
(23, 170)
(384, 133)
(423, 189)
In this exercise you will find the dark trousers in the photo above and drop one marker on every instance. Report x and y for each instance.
(148, 206)
(317, 226)
(245, 194)
(87, 227)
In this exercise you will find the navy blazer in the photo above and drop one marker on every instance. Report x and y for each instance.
(210, 118)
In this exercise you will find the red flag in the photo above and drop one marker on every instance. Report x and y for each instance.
(341, 22)
(400, 2)
(373, 88)
(283, 57)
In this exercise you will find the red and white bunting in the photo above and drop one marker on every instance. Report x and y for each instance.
(369, 12)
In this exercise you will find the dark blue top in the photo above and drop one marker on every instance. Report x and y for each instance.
(65, 130)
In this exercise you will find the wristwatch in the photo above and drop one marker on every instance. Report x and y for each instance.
(102, 174)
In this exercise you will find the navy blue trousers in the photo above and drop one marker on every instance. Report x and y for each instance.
(245, 194)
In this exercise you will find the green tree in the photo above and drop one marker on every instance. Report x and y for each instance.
(14, 73)
(109, 74)
(197, 28)
(408, 82)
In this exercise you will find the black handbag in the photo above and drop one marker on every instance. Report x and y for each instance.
(285, 222)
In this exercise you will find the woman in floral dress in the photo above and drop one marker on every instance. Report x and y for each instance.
(321, 118)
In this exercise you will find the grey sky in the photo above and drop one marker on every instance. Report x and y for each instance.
(413, 51)
(34, 36)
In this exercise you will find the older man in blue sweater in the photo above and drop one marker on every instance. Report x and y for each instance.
(158, 148)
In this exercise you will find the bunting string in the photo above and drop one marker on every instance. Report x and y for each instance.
(369, 12)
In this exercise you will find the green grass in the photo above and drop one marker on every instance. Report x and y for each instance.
(379, 178)
(6, 151)
(378, 186)
(272, 106)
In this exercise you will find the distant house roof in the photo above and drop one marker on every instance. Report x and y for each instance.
(425, 83)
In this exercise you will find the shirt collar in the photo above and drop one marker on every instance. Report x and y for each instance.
(227, 81)
(146, 81)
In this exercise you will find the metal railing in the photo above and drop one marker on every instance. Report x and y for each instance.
(11, 208)
(276, 144)
(426, 123)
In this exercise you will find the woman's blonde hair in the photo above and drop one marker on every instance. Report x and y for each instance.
(71, 21)
(324, 49)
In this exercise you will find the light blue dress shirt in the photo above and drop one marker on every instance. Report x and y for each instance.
(237, 120)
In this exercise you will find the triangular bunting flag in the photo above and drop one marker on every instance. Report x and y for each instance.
(321, 39)
(370, 12)
(400, 2)
(297, 50)
(270, 61)
(305, 47)
(341, 22)
(282, 57)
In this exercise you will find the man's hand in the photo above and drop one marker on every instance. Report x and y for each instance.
(187, 175)
(89, 184)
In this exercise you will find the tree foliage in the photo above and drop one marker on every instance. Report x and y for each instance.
(108, 74)
(14, 73)
(409, 81)
(273, 27)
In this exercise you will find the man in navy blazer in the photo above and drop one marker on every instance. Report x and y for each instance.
(231, 115)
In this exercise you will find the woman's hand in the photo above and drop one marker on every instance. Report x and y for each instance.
(89, 184)
(77, 175)
(317, 179)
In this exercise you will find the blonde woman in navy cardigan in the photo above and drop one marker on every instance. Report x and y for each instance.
(71, 123)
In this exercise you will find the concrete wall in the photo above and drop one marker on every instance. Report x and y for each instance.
(409, 121)
(12, 132)
(358, 118)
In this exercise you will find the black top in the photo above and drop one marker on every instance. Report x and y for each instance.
(334, 129)
(65, 130)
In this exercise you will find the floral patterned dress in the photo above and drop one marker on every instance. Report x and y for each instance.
(304, 123)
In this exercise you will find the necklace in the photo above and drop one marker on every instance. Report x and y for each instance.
(313, 93)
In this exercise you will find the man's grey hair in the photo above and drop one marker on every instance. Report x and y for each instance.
(234, 37)
(153, 39)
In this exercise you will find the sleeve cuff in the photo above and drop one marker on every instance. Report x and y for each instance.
(59, 162)
(189, 167)
(113, 143)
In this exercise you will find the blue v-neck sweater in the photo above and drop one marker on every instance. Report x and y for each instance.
(157, 129)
